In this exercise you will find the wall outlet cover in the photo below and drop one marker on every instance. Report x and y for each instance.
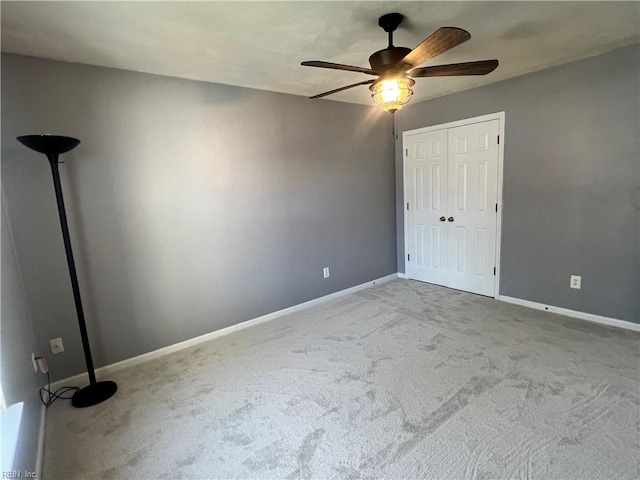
(325, 272)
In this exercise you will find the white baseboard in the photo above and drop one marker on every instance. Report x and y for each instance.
(612, 322)
(41, 431)
(83, 378)
(403, 275)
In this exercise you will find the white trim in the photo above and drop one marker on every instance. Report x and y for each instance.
(590, 317)
(403, 275)
(500, 116)
(41, 432)
(457, 123)
(83, 379)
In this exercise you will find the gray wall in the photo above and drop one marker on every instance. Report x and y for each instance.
(19, 382)
(571, 180)
(192, 206)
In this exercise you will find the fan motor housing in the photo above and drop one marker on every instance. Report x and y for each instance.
(383, 59)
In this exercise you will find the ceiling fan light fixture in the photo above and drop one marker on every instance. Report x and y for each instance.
(396, 67)
(392, 93)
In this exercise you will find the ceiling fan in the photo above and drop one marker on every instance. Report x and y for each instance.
(396, 67)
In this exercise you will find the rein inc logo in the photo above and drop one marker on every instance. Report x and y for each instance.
(19, 474)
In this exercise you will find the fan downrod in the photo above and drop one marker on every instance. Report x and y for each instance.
(390, 23)
(383, 59)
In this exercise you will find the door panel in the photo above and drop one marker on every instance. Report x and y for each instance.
(426, 174)
(474, 161)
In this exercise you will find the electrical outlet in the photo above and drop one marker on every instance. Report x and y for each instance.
(35, 363)
(325, 272)
(56, 345)
(576, 282)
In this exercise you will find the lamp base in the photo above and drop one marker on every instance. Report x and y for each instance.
(93, 394)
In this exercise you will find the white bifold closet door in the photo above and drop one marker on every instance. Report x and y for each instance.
(451, 184)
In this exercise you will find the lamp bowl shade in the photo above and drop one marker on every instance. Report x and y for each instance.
(49, 144)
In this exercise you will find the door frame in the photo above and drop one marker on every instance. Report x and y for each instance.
(500, 116)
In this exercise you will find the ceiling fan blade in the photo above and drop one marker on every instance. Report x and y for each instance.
(481, 67)
(437, 43)
(366, 82)
(338, 66)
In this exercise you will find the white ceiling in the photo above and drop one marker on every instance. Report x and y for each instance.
(261, 44)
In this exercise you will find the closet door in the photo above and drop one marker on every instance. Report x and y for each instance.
(451, 192)
(426, 170)
(472, 213)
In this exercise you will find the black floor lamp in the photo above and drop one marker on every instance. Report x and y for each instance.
(52, 146)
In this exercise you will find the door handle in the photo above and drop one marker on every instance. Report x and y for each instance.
(451, 219)
(442, 219)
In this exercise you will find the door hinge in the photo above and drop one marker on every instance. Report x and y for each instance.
(408, 257)
(407, 205)
(496, 207)
(498, 139)
(494, 270)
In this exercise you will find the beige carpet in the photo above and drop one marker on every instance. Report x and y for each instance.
(402, 380)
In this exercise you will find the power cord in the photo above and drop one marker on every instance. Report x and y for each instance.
(46, 395)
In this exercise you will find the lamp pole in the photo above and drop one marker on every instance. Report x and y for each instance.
(52, 146)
